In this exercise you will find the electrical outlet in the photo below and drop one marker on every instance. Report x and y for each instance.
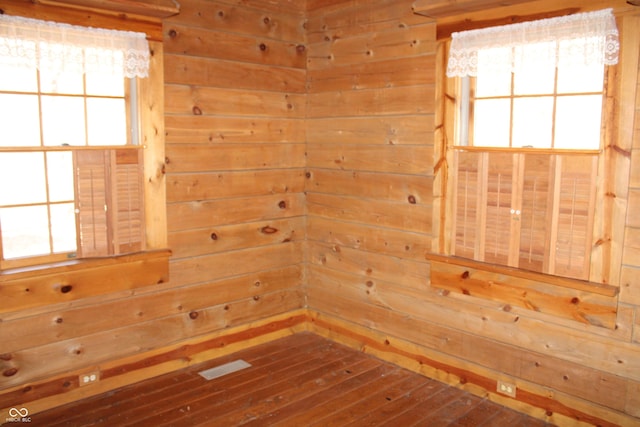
(506, 388)
(89, 378)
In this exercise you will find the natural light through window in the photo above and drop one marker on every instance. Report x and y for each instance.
(540, 106)
(41, 114)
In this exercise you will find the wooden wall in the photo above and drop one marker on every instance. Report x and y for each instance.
(301, 173)
(235, 105)
(370, 192)
(235, 148)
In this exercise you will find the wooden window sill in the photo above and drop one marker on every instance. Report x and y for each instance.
(586, 302)
(28, 287)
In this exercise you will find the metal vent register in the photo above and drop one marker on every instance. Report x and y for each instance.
(225, 369)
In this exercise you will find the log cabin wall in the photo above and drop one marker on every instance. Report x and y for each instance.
(377, 160)
(301, 173)
(235, 156)
(235, 104)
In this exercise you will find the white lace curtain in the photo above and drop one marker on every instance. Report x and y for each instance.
(581, 39)
(57, 47)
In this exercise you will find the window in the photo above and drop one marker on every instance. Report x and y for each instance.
(541, 106)
(526, 152)
(70, 164)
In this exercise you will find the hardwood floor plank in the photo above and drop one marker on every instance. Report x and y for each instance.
(385, 413)
(324, 398)
(373, 399)
(300, 380)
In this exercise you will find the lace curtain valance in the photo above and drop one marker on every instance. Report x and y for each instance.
(60, 47)
(582, 39)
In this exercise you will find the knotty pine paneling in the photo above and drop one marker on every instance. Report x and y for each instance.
(392, 130)
(235, 103)
(231, 130)
(359, 92)
(218, 212)
(186, 70)
(224, 184)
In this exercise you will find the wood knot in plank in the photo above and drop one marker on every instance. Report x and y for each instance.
(575, 300)
(66, 289)
(173, 33)
(282, 204)
(465, 274)
(6, 356)
(300, 48)
(263, 47)
(214, 236)
(196, 110)
(412, 199)
(193, 315)
(267, 229)
(9, 372)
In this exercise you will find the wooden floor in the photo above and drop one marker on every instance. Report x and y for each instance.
(301, 380)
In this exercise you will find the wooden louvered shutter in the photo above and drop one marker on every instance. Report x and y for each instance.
(127, 201)
(496, 225)
(525, 210)
(573, 215)
(535, 202)
(466, 211)
(109, 202)
(92, 178)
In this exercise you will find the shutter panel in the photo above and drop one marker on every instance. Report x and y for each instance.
(535, 211)
(467, 199)
(573, 215)
(109, 202)
(92, 172)
(127, 204)
(499, 201)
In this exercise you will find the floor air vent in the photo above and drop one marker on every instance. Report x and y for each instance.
(225, 369)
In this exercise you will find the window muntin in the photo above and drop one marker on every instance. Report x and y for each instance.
(44, 120)
(542, 106)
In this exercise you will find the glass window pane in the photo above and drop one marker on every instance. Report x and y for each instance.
(105, 84)
(63, 228)
(532, 122)
(25, 231)
(22, 178)
(19, 121)
(491, 82)
(491, 122)
(580, 79)
(60, 174)
(578, 120)
(534, 81)
(18, 79)
(65, 82)
(63, 120)
(107, 121)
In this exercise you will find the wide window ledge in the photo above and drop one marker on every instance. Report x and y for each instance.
(28, 287)
(586, 302)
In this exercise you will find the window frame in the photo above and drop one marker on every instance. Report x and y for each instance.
(45, 284)
(605, 260)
